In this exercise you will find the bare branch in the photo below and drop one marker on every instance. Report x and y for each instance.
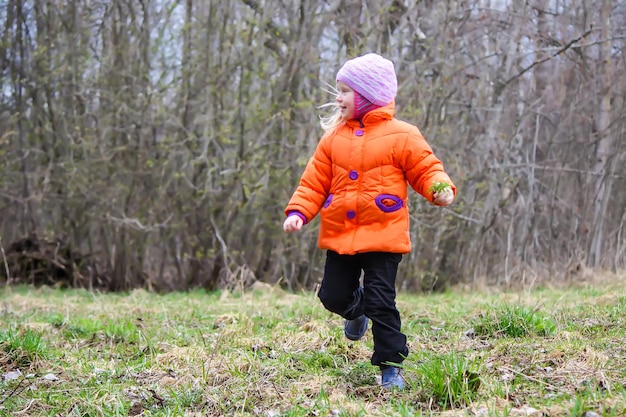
(6, 264)
(567, 46)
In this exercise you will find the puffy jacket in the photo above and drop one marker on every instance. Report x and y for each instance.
(358, 178)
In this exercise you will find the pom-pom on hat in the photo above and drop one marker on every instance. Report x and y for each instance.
(371, 75)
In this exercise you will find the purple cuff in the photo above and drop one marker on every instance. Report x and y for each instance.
(297, 213)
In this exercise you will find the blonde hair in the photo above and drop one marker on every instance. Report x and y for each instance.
(335, 118)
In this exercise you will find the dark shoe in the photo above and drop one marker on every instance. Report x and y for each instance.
(355, 329)
(392, 378)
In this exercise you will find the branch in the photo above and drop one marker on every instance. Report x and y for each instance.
(530, 378)
(6, 264)
(136, 224)
(223, 244)
(15, 391)
(541, 61)
(271, 28)
(552, 168)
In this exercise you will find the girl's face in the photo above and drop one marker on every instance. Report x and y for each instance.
(345, 98)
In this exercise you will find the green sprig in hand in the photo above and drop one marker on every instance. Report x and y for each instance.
(438, 186)
(442, 193)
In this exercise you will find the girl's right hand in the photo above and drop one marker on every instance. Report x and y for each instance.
(293, 223)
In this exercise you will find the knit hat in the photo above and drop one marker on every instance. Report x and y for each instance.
(371, 75)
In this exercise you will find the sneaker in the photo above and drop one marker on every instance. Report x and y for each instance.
(392, 378)
(355, 329)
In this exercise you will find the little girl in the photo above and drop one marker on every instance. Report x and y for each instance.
(357, 179)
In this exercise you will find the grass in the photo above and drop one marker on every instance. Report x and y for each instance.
(557, 352)
(514, 320)
(448, 380)
(23, 346)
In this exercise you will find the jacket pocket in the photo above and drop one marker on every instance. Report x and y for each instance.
(389, 203)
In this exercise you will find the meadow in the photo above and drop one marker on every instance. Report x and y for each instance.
(267, 352)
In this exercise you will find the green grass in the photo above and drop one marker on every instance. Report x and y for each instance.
(272, 353)
(23, 347)
(448, 380)
(514, 320)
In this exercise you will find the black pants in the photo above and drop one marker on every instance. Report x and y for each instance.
(340, 293)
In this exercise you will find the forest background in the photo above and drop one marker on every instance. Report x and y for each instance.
(154, 144)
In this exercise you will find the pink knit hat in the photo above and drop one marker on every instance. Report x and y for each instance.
(371, 75)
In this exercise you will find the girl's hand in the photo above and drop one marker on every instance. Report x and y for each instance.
(444, 197)
(293, 223)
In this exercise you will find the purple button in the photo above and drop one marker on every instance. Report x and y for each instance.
(359, 132)
(354, 175)
(351, 214)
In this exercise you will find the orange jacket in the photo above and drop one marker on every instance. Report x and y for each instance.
(358, 177)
